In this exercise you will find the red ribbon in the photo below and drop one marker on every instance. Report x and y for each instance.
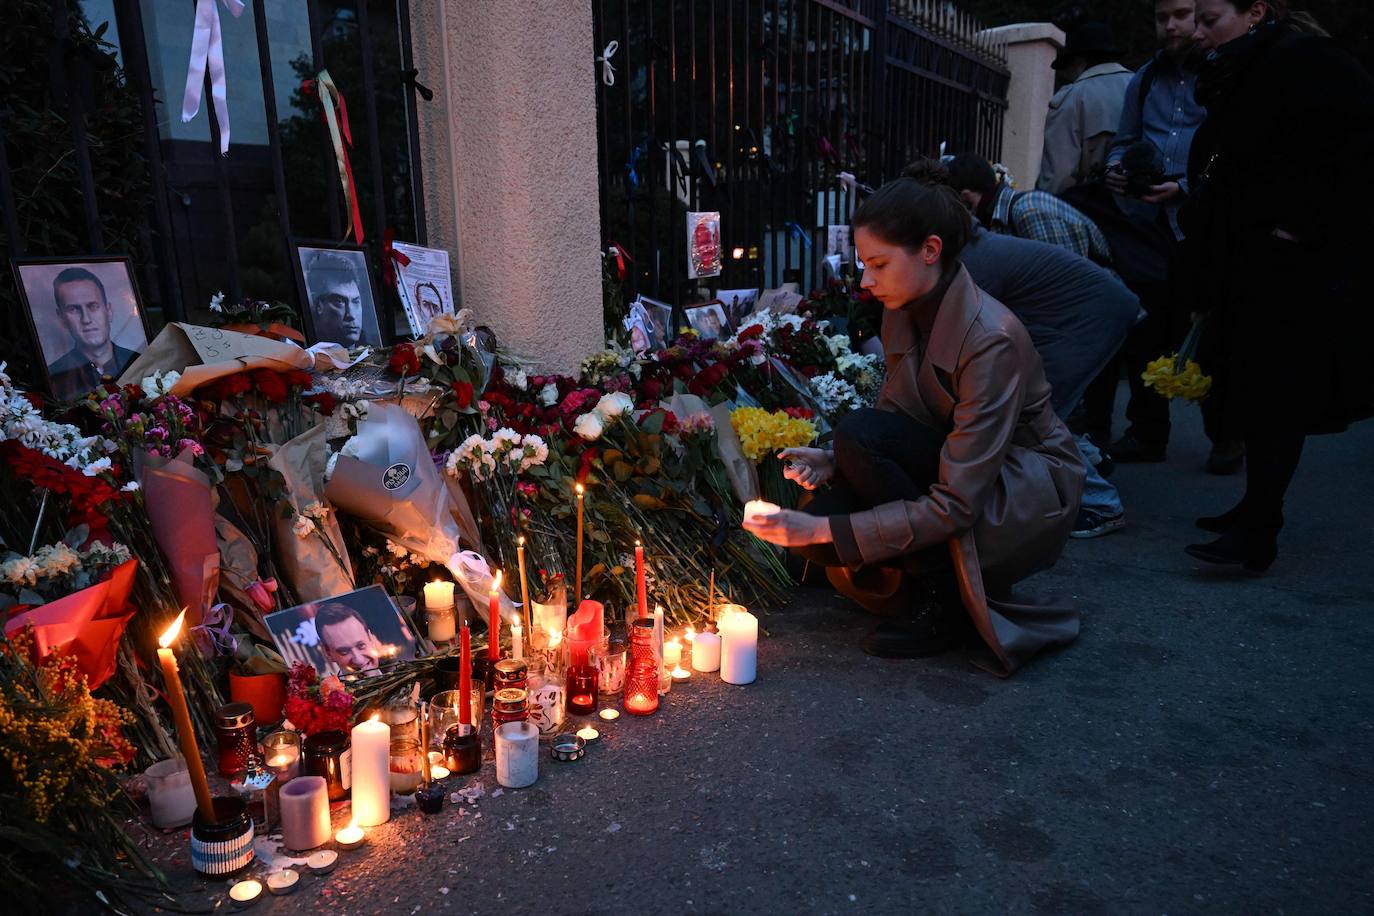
(311, 87)
(621, 256)
(391, 257)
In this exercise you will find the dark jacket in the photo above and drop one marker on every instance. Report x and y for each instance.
(1290, 124)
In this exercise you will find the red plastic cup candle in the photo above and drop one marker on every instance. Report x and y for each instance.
(494, 619)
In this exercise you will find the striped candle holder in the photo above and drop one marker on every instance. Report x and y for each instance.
(224, 846)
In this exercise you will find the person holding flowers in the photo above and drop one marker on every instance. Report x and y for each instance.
(962, 459)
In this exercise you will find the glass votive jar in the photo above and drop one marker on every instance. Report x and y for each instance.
(404, 719)
(444, 720)
(610, 663)
(281, 754)
(462, 750)
(406, 765)
(641, 679)
(236, 738)
(511, 672)
(170, 794)
(328, 754)
(510, 704)
(547, 697)
(582, 689)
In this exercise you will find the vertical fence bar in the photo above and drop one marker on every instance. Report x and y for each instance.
(14, 241)
(76, 119)
(640, 266)
(327, 163)
(417, 188)
(374, 149)
(269, 105)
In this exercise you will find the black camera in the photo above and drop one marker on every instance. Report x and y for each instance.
(1143, 165)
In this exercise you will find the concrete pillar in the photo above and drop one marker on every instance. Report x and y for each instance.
(1031, 48)
(508, 149)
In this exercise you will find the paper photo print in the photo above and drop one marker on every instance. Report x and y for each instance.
(339, 304)
(357, 633)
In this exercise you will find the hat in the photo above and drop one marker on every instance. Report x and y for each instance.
(1088, 38)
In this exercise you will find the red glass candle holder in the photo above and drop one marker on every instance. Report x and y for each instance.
(582, 690)
(641, 677)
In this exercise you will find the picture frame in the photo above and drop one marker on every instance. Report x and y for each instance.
(105, 326)
(334, 312)
(361, 632)
(709, 320)
(425, 285)
(739, 304)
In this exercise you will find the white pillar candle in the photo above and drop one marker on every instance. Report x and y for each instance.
(672, 653)
(443, 624)
(757, 507)
(517, 640)
(665, 681)
(371, 773)
(706, 652)
(517, 754)
(739, 640)
(438, 595)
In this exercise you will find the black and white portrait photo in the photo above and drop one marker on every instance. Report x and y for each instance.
(360, 632)
(339, 302)
(87, 320)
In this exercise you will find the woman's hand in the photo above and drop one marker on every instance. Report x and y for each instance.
(810, 467)
(789, 528)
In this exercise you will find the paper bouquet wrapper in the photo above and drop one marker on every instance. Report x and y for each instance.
(394, 487)
(238, 563)
(87, 624)
(743, 475)
(473, 575)
(308, 564)
(181, 509)
(204, 354)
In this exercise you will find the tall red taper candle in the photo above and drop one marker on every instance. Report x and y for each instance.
(494, 620)
(639, 580)
(465, 676)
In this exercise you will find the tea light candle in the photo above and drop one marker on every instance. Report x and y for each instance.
(706, 651)
(245, 893)
(739, 639)
(588, 734)
(517, 754)
(371, 772)
(757, 507)
(284, 881)
(681, 674)
(610, 715)
(438, 771)
(672, 653)
(322, 862)
(350, 837)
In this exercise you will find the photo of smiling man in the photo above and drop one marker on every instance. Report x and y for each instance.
(359, 633)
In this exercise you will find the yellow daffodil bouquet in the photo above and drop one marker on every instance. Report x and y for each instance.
(1178, 375)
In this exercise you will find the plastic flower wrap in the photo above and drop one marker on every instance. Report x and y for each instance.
(762, 433)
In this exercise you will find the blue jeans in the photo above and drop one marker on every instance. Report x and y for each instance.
(1098, 495)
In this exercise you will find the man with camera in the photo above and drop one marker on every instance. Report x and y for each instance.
(1146, 167)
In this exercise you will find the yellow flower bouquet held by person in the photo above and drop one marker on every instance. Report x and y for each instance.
(1179, 375)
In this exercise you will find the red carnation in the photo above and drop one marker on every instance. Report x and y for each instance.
(324, 402)
(404, 360)
(270, 385)
(462, 393)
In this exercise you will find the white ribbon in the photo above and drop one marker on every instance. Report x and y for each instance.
(608, 71)
(207, 49)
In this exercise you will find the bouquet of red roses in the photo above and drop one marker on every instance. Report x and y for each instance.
(314, 705)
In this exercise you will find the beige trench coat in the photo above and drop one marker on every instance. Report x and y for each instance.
(1010, 478)
(1080, 127)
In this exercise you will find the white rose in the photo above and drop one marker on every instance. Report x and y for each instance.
(95, 467)
(589, 426)
(613, 405)
(548, 395)
(130, 487)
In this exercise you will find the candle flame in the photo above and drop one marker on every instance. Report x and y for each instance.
(580, 489)
(170, 634)
(674, 642)
(637, 543)
(496, 582)
(555, 638)
(376, 717)
(520, 540)
(690, 635)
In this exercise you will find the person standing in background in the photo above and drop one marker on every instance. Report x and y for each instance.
(1084, 115)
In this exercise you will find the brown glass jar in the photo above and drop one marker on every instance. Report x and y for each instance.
(329, 755)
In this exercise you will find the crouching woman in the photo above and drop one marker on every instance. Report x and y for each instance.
(963, 464)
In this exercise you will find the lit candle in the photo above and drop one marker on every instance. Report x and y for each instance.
(690, 635)
(757, 507)
(610, 715)
(681, 674)
(588, 734)
(494, 619)
(465, 677)
(245, 893)
(185, 734)
(284, 881)
(577, 596)
(524, 582)
(640, 587)
(438, 771)
(739, 639)
(517, 639)
(439, 611)
(706, 651)
(672, 653)
(350, 837)
(371, 772)
(438, 595)
(665, 681)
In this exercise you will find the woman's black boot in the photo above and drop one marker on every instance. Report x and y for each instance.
(1251, 548)
(1220, 524)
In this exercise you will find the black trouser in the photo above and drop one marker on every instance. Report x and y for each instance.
(1156, 335)
(1271, 458)
(880, 456)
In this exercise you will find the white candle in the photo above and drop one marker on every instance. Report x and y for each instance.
(350, 837)
(284, 881)
(371, 772)
(588, 734)
(672, 653)
(517, 640)
(517, 754)
(757, 507)
(739, 640)
(322, 862)
(681, 674)
(706, 652)
(665, 681)
(170, 795)
(443, 624)
(610, 715)
(438, 595)
(245, 893)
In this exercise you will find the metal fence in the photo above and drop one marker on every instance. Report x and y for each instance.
(756, 108)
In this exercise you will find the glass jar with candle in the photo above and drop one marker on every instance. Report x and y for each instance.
(406, 765)
(281, 753)
(403, 717)
(511, 673)
(547, 697)
(327, 754)
(582, 688)
(641, 675)
(510, 704)
(444, 715)
(610, 664)
(236, 737)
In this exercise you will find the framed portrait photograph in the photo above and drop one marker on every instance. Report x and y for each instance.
(357, 633)
(739, 304)
(340, 305)
(86, 317)
(709, 320)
